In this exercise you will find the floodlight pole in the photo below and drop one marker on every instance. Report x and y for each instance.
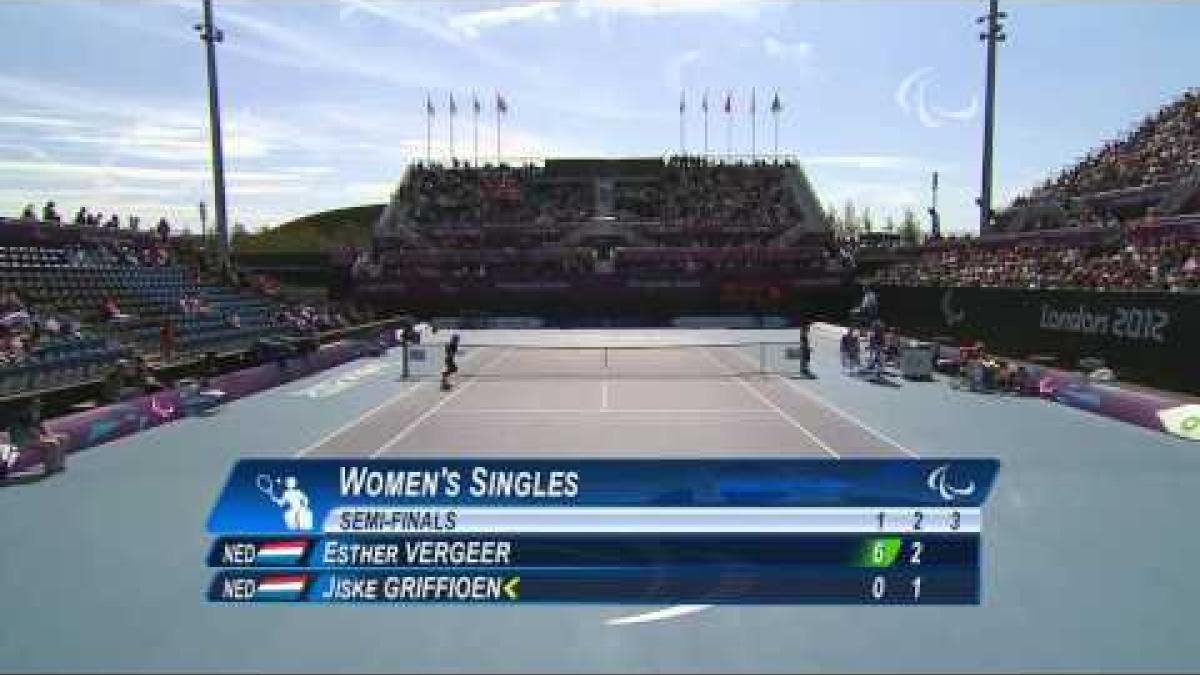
(211, 36)
(993, 34)
(204, 228)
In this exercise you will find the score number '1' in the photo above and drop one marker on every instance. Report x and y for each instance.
(879, 587)
(879, 583)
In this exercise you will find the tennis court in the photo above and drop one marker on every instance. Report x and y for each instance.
(1086, 534)
(591, 394)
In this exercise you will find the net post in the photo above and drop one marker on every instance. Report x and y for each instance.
(762, 358)
(404, 357)
(606, 358)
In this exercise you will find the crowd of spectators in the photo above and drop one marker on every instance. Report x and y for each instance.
(466, 195)
(304, 318)
(129, 378)
(702, 194)
(562, 202)
(508, 264)
(1164, 148)
(26, 427)
(640, 200)
(24, 327)
(549, 264)
(85, 218)
(691, 194)
(1166, 263)
(744, 261)
(191, 304)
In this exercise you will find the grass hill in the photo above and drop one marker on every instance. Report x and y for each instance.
(314, 233)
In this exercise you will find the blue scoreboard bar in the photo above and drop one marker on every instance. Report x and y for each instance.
(598, 531)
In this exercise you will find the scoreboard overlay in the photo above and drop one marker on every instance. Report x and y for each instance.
(762, 532)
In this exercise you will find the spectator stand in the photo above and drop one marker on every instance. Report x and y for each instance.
(1154, 254)
(88, 298)
(1156, 165)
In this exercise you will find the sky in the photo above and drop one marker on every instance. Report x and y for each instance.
(104, 104)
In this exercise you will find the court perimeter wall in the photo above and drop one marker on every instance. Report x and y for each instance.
(1149, 338)
(103, 424)
(1160, 411)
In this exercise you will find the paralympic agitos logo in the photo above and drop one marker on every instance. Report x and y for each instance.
(951, 314)
(938, 482)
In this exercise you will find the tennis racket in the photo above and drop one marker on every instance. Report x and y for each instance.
(266, 486)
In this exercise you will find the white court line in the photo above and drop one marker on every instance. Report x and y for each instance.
(436, 407)
(845, 415)
(657, 615)
(684, 610)
(360, 418)
(851, 418)
(388, 401)
(366, 414)
(780, 411)
(604, 394)
(791, 420)
(608, 411)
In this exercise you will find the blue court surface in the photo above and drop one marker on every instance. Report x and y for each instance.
(1090, 532)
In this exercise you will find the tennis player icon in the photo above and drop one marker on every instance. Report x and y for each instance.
(296, 513)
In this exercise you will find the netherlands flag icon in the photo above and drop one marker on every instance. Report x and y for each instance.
(280, 587)
(281, 552)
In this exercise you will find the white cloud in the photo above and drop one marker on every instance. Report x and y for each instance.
(186, 144)
(794, 52)
(33, 152)
(86, 107)
(675, 68)
(309, 50)
(740, 9)
(259, 190)
(409, 16)
(862, 161)
(53, 170)
(369, 191)
(37, 122)
(883, 199)
(472, 23)
(904, 164)
(413, 16)
(524, 143)
(106, 127)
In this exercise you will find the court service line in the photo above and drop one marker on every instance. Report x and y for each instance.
(433, 410)
(604, 394)
(614, 412)
(390, 400)
(357, 420)
(835, 409)
(780, 411)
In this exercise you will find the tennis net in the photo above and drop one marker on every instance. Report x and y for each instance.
(649, 361)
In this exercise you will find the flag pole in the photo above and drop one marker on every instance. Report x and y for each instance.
(497, 129)
(753, 127)
(705, 106)
(475, 110)
(776, 109)
(428, 124)
(729, 125)
(776, 113)
(682, 144)
(451, 116)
